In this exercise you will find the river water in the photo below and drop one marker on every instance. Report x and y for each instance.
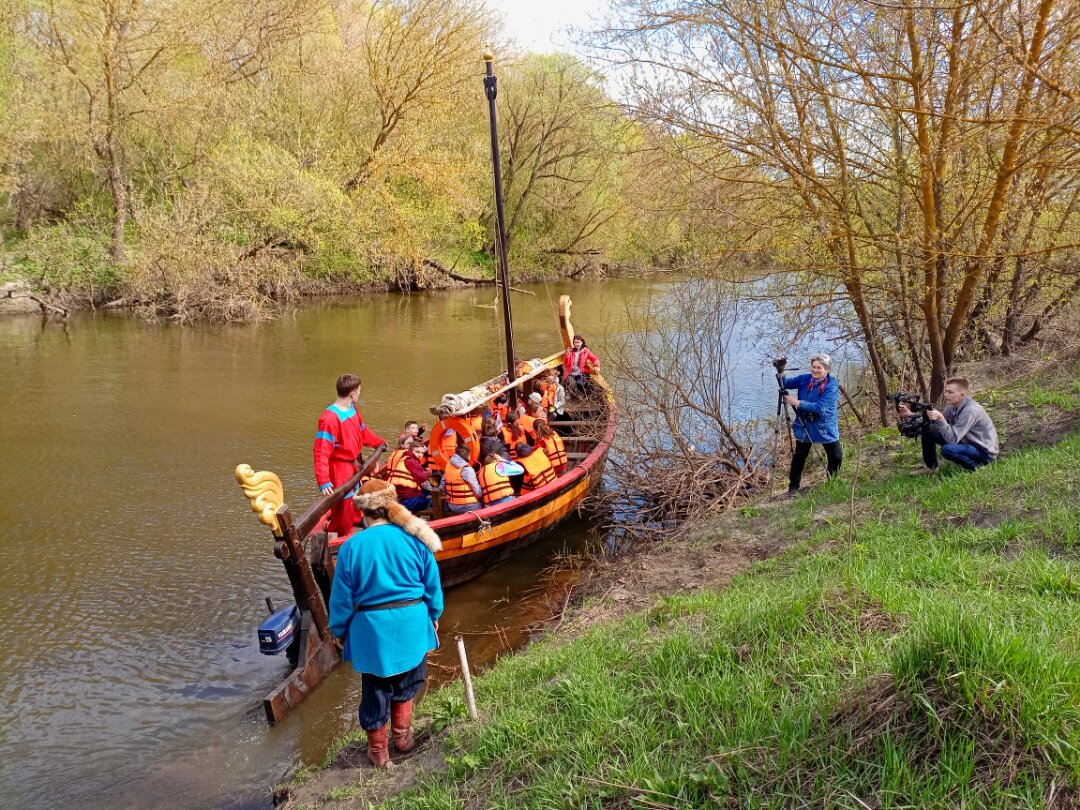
(133, 571)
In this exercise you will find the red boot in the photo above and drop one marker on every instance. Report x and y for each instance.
(401, 723)
(377, 752)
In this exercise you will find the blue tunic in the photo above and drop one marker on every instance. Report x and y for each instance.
(377, 565)
(817, 420)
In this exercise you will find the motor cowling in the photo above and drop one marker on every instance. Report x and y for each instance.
(279, 630)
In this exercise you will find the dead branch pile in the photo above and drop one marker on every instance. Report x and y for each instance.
(678, 455)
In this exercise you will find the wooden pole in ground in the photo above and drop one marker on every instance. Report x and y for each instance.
(469, 697)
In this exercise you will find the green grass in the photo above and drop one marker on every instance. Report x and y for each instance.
(930, 657)
(1039, 396)
(343, 792)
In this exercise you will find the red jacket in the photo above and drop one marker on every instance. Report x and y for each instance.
(419, 474)
(338, 440)
(588, 361)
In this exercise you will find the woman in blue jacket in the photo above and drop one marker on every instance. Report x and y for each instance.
(816, 420)
(385, 603)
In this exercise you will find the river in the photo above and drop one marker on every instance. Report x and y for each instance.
(133, 571)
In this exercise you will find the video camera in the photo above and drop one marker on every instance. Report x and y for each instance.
(780, 363)
(911, 426)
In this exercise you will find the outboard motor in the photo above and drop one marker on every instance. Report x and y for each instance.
(281, 629)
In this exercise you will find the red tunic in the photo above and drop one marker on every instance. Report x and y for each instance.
(338, 439)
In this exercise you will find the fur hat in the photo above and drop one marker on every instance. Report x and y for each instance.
(376, 494)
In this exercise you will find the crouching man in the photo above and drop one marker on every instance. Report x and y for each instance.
(965, 432)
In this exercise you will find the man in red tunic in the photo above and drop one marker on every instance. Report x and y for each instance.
(338, 439)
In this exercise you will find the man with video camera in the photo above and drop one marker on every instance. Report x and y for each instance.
(965, 432)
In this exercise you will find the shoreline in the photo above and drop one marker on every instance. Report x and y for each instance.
(19, 297)
(666, 586)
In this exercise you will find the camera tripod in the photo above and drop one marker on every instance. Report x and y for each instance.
(780, 364)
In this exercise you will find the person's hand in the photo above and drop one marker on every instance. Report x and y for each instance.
(436, 623)
(903, 410)
(792, 401)
(327, 489)
(935, 415)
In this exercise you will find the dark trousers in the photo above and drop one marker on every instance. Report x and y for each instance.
(802, 451)
(579, 384)
(376, 694)
(967, 456)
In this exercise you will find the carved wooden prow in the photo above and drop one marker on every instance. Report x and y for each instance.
(565, 327)
(318, 654)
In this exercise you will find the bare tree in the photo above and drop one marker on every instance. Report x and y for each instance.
(911, 155)
(678, 453)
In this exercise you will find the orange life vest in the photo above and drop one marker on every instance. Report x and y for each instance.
(458, 491)
(399, 474)
(528, 424)
(538, 471)
(477, 423)
(547, 401)
(511, 445)
(388, 467)
(493, 486)
(556, 450)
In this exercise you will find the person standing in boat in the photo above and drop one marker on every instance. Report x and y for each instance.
(339, 437)
(385, 605)
(553, 395)
(578, 364)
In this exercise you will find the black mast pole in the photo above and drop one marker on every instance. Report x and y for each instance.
(491, 89)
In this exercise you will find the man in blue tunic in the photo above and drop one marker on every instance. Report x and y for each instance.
(385, 603)
(816, 419)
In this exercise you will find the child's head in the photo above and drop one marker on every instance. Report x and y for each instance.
(412, 427)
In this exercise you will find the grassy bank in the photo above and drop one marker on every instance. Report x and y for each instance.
(917, 645)
(928, 656)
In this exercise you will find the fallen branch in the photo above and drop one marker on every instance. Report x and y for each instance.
(434, 265)
(45, 305)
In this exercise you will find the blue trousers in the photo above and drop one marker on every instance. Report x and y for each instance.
(418, 502)
(967, 456)
(376, 694)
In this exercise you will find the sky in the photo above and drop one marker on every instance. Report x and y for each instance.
(539, 25)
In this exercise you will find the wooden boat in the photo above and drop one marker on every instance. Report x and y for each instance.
(475, 541)
(472, 542)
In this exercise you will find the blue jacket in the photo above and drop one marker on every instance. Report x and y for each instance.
(816, 419)
(377, 565)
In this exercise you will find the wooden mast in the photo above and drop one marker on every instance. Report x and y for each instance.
(491, 89)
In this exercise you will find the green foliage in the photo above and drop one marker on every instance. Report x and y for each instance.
(449, 707)
(67, 256)
(347, 144)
